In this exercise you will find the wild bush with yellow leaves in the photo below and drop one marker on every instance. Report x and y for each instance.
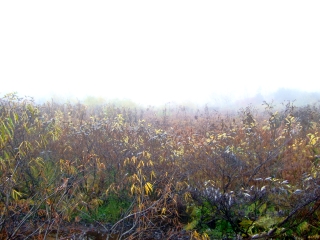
(204, 174)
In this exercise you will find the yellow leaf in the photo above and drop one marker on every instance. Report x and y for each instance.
(126, 161)
(205, 236)
(132, 188)
(135, 177)
(152, 175)
(196, 234)
(141, 164)
(187, 196)
(163, 211)
(15, 194)
(148, 188)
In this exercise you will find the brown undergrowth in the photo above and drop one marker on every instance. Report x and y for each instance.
(145, 173)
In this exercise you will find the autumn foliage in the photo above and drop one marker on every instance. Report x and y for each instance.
(150, 173)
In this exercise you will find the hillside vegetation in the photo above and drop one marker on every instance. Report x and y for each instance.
(159, 174)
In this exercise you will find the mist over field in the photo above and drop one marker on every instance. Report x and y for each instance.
(155, 53)
(218, 102)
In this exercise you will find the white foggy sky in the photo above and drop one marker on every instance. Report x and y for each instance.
(158, 51)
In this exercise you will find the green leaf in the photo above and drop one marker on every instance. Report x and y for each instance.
(191, 225)
(16, 117)
(263, 208)
(303, 227)
(246, 223)
(266, 222)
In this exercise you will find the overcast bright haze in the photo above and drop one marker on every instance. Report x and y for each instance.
(158, 51)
